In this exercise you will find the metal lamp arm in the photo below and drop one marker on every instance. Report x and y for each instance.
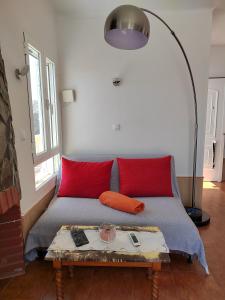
(195, 102)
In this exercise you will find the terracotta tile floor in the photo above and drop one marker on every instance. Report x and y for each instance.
(178, 280)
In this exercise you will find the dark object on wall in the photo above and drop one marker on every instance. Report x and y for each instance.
(11, 239)
(116, 81)
(22, 72)
(8, 162)
(127, 27)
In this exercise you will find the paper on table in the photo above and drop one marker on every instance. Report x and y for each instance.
(150, 242)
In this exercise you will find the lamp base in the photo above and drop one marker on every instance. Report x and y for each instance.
(199, 217)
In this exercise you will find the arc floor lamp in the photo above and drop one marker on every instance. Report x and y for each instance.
(127, 27)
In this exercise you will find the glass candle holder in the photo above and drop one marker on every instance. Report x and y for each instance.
(107, 232)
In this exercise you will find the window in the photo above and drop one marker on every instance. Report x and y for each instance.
(43, 115)
(46, 170)
(50, 71)
(37, 101)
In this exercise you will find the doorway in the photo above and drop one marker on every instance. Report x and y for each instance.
(214, 153)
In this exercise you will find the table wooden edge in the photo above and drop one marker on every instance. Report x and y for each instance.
(57, 264)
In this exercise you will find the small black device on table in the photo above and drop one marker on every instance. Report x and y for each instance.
(79, 237)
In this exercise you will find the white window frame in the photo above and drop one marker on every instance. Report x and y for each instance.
(47, 179)
(49, 152)
(48, 62)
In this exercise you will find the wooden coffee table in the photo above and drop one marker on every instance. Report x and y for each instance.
(150, 260)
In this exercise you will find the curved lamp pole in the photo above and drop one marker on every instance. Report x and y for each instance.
(127, 27)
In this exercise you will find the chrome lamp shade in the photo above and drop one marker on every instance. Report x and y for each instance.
(127, 27)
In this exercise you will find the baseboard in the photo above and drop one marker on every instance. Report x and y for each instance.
(185, 186)
(35, 212)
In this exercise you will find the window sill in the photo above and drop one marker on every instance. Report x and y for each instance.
(48, 182)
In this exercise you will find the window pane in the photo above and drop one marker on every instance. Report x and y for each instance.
(53, 118)
(56, 162)
(43, 172)
(46, 170)
(37, 101)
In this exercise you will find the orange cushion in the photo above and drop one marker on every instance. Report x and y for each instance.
(121, 202)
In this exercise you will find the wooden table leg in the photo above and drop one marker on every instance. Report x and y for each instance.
(58, 279)
(149, 273)
(155, 287)
(71, 271)
(155, 278)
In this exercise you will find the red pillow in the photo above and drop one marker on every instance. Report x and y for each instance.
(149, 177)
(84, 179)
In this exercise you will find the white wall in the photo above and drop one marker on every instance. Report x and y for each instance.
(217, 51)
(217, 60)
(154, 104)
(36, 18)
(218, 25)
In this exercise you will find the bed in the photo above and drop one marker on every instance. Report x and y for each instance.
(180, 233)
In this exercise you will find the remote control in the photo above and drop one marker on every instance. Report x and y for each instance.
(135, 241)
(79, 237)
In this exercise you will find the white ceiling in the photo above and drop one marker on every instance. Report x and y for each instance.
(92, 8)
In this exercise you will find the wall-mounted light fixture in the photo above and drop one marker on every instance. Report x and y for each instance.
(22, 72)
(117, 81)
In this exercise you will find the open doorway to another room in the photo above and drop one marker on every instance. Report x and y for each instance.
(214, 155)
